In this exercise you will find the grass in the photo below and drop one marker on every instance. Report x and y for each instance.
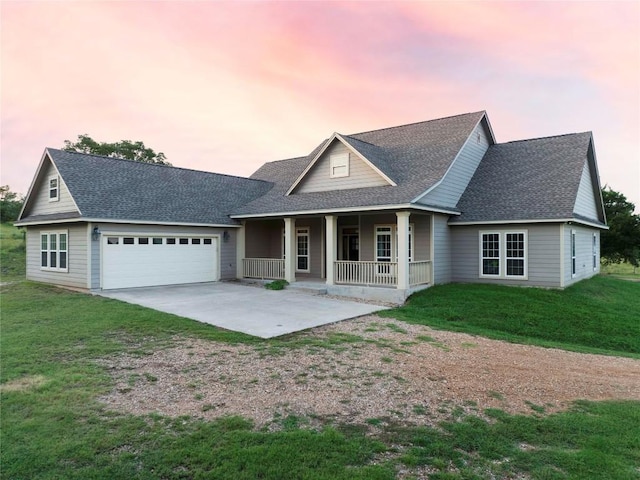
(12, 253)
(625, 271)
(53, 426)
(599, 315)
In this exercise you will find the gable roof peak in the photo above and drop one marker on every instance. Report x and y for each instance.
(480, 112)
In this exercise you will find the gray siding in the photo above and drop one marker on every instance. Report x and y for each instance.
(40, 204)
(227, 249)
(584, 253)
(360, 174)
(455, 181)
(442, 270)
(543, 254)
(422, 236)
(585, 200)
(77, 256)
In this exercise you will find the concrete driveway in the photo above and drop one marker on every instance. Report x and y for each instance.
(247, 309)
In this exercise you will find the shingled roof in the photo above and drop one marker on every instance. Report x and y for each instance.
(109, 188)
(414, 156)
(535, 179)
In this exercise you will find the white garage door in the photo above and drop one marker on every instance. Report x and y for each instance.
(143, 261)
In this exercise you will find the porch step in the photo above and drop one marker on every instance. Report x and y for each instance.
(309, 287)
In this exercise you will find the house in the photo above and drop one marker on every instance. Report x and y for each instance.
(378, 214)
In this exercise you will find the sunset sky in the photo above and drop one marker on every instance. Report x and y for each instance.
(225, 87)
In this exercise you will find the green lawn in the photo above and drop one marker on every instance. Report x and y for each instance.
(600, 315)
(12, 253)
(52, 425)
(621, 270)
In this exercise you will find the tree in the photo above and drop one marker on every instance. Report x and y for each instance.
(10, 204)
(125, 149)
(621, 243)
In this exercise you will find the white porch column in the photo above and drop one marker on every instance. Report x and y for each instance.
(240, 249)
(331, 240)
(403, 250)
(290, 249)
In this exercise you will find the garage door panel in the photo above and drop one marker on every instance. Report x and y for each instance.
(141, 265)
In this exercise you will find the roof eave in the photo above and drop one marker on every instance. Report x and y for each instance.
(367, 208)
(568, 220)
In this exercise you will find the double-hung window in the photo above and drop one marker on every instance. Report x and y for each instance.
(54, 251)
(387, 246)
(573, 253)
(54, 188)
(503, 254)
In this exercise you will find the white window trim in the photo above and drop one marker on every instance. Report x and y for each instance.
(57, 188)
(57, 250)
(482, 257)
(304, 232)
(394, 241)
(502, 259)
(339, 160)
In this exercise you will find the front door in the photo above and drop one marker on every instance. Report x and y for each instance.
(350, 244)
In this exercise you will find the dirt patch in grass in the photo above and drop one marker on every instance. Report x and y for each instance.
(24, 383)
(396, 372)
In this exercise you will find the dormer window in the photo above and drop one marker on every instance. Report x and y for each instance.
(339, 165)
(54, 189)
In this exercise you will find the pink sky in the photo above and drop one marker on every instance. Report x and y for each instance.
(225, 87)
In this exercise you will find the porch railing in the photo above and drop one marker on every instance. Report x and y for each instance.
(366, 273)
(383, 274)
(419, 272)
(263, 268)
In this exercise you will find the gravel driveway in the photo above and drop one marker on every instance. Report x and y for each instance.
(384, 369)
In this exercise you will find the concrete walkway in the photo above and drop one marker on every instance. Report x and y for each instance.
(252, 310)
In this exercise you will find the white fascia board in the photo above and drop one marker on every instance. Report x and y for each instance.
(313, 162)
(337, 136)
(435, 185)
(138, 222)
(547, 220)
(45, 155)
(365, 160)
(403, 206)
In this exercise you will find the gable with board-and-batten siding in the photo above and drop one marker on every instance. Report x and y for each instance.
(318, 178)
(457, 178)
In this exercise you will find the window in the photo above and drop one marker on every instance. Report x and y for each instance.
(387, 243)
(302, 249)
(383, 244)
(503, 254)
(113, 240)
(491, 254)
(573, 253)
(594, 252)
(171, 241)
(54, 251)
(184, 241)
(54, 189)
(515, 254)
(339, 165)
(195, 241)
(128, 240)
(157, 241)
(207, 241)
(143, 241)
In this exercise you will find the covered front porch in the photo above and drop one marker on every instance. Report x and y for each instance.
(349, 253)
